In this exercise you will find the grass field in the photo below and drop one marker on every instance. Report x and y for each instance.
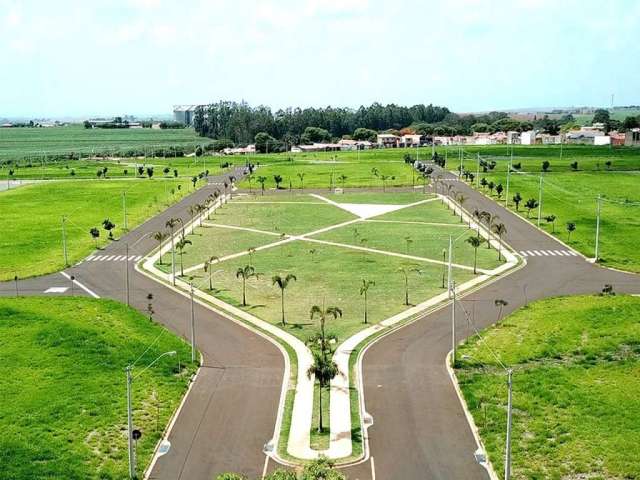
(576, 380)
(571, 197)
(31, 243)
(63, 386)
(18, 143)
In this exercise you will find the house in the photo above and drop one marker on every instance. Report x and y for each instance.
(316, 147)
(388, 140)
(548, 139)
(513, 137)
(528, 138)
(249, 149)
(499, 137)
(443, 140)
(347, 144)
(410, 140)
(602, 140)
(632, 138)
(617, 138)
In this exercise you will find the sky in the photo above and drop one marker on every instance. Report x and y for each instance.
(74, 58)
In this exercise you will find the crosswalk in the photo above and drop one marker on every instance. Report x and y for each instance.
(112, 258)
(548, 253)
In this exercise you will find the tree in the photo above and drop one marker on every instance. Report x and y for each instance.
(483, 182)
(366, 284)
(323, 314)
(500, 303)
(166, 171)
(517, 198)
(574, 166)
(301, 177)
(95, 234)
(140, 170)
(530, 205)
(491, 186)
(321, 469)
(263, 141)
(283, 283)
(461, 200)
(545, 165)
(208, 268)
(365, 134)
(324, 370)
(342, 179)
(408, 240)
(194, 180)
(571, 226)
(552, 220)
(475, 242)
(245, 273)
(314, 135)
(500, 230)
(608, 164)
(149, 172)
(278, 180)
(405, 273)
(182, 243)
(108, 225)
(160, 237)
(261, 181)
(631, 122)
(601, 116)
(499, 189)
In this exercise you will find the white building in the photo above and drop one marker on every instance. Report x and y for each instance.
(387, 140)
(410, 140)
(528, 138)
(513, 137)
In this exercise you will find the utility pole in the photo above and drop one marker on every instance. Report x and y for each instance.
(453, 323)
(597, 227)
(132, 457)
(173, 259)
(539, 201)
(506, 197)
(478, 172)
(461, 162)
(64, 242)
(126, 269)
(449, 269)
(124, 209)
(507, 460)
(193, 324)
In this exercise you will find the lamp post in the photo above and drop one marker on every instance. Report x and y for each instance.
(64, 242)
(539, 201)
(193, 324)
(507, 453)
(130, 379)
(598, 202)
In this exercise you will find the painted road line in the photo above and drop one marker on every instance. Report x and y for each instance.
(572, 253)
(523, 253)
(90, 257)
(559, 252)
(551, 252)
(544, 252)
(98, 258)
(93, 294)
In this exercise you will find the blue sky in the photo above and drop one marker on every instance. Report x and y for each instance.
(142, 56)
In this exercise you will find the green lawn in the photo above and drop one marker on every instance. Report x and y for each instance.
(63, 388)
(576, 380)
(395, 198)
(31, 243)
(571, 197)
(332, 275)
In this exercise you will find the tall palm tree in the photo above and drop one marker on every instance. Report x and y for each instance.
(461, 200)
(500, 303)
(261, 180)
(366, 284)
(283, 283)
(192, 211)
(208, 268)
(183, 242)
(323, 315)
(245, 273)
(324, 370)
(171, 225)
(500, 230)
(475, 242)
(160, 237)
(405, 273)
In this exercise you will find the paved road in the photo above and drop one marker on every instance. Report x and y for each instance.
(419, 430)
(231, 411)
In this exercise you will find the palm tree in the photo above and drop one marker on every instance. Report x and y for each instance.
(183, 242)
(499, 229)
(444, 264)
(530, 205)
(324, 370)
(261, 181)
(171, 225)
(301, 177)
(160, 237)
(500, 303)
(342, 179)
(475, 242)
(363, 291)
(517, 198)
(192, 211)
(571, 226)
(232, 181)
(461, 200)
(283, 283)
(245, 273)
(552, 220)
(250, 178)
(95, 234)
(408, 240)
(208, 268)
(251, 251)
(323, 315)
(405, 272)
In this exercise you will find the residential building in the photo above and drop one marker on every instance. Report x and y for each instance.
(632, 138)
(617, 138)
(410, 140)
(513, 137)
(388, 140)
(528, 138)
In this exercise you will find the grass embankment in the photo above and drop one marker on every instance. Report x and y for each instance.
(63, 386)
(576, 381)
(571, 197)
(31, 243)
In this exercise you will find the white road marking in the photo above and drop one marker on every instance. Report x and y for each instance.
(544, 252)
(97, 258)
(523, 253)
(89, 257)
(56, 289)
(93, 294)
(373, 469)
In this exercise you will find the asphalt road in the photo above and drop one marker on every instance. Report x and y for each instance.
(419, 429)
(231, 411)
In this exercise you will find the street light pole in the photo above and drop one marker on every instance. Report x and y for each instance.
(64, 242)
(124, 208)
(126, 269)
(453, 323)
(478, 172)
(193, 325)
(132, 458)
(539, 201)
(597, 227)
(449, 269)
(506, 197)
(507, 460)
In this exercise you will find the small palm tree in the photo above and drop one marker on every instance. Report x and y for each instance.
(208, 268)
(261, 181)
(461, 200)
(183, 242)
(342, 179)
(405, 273)
(323, 315)
(283, 283)
(324, 370)
(530, 205)
(500, 230)
(160, 237)
(301, 177)
(366, 284)
(95, 234)
(500, 303)
(475, 242)
(552, 220)
(408, 240)
(251, 251)
(571, 226)
(245, 273)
